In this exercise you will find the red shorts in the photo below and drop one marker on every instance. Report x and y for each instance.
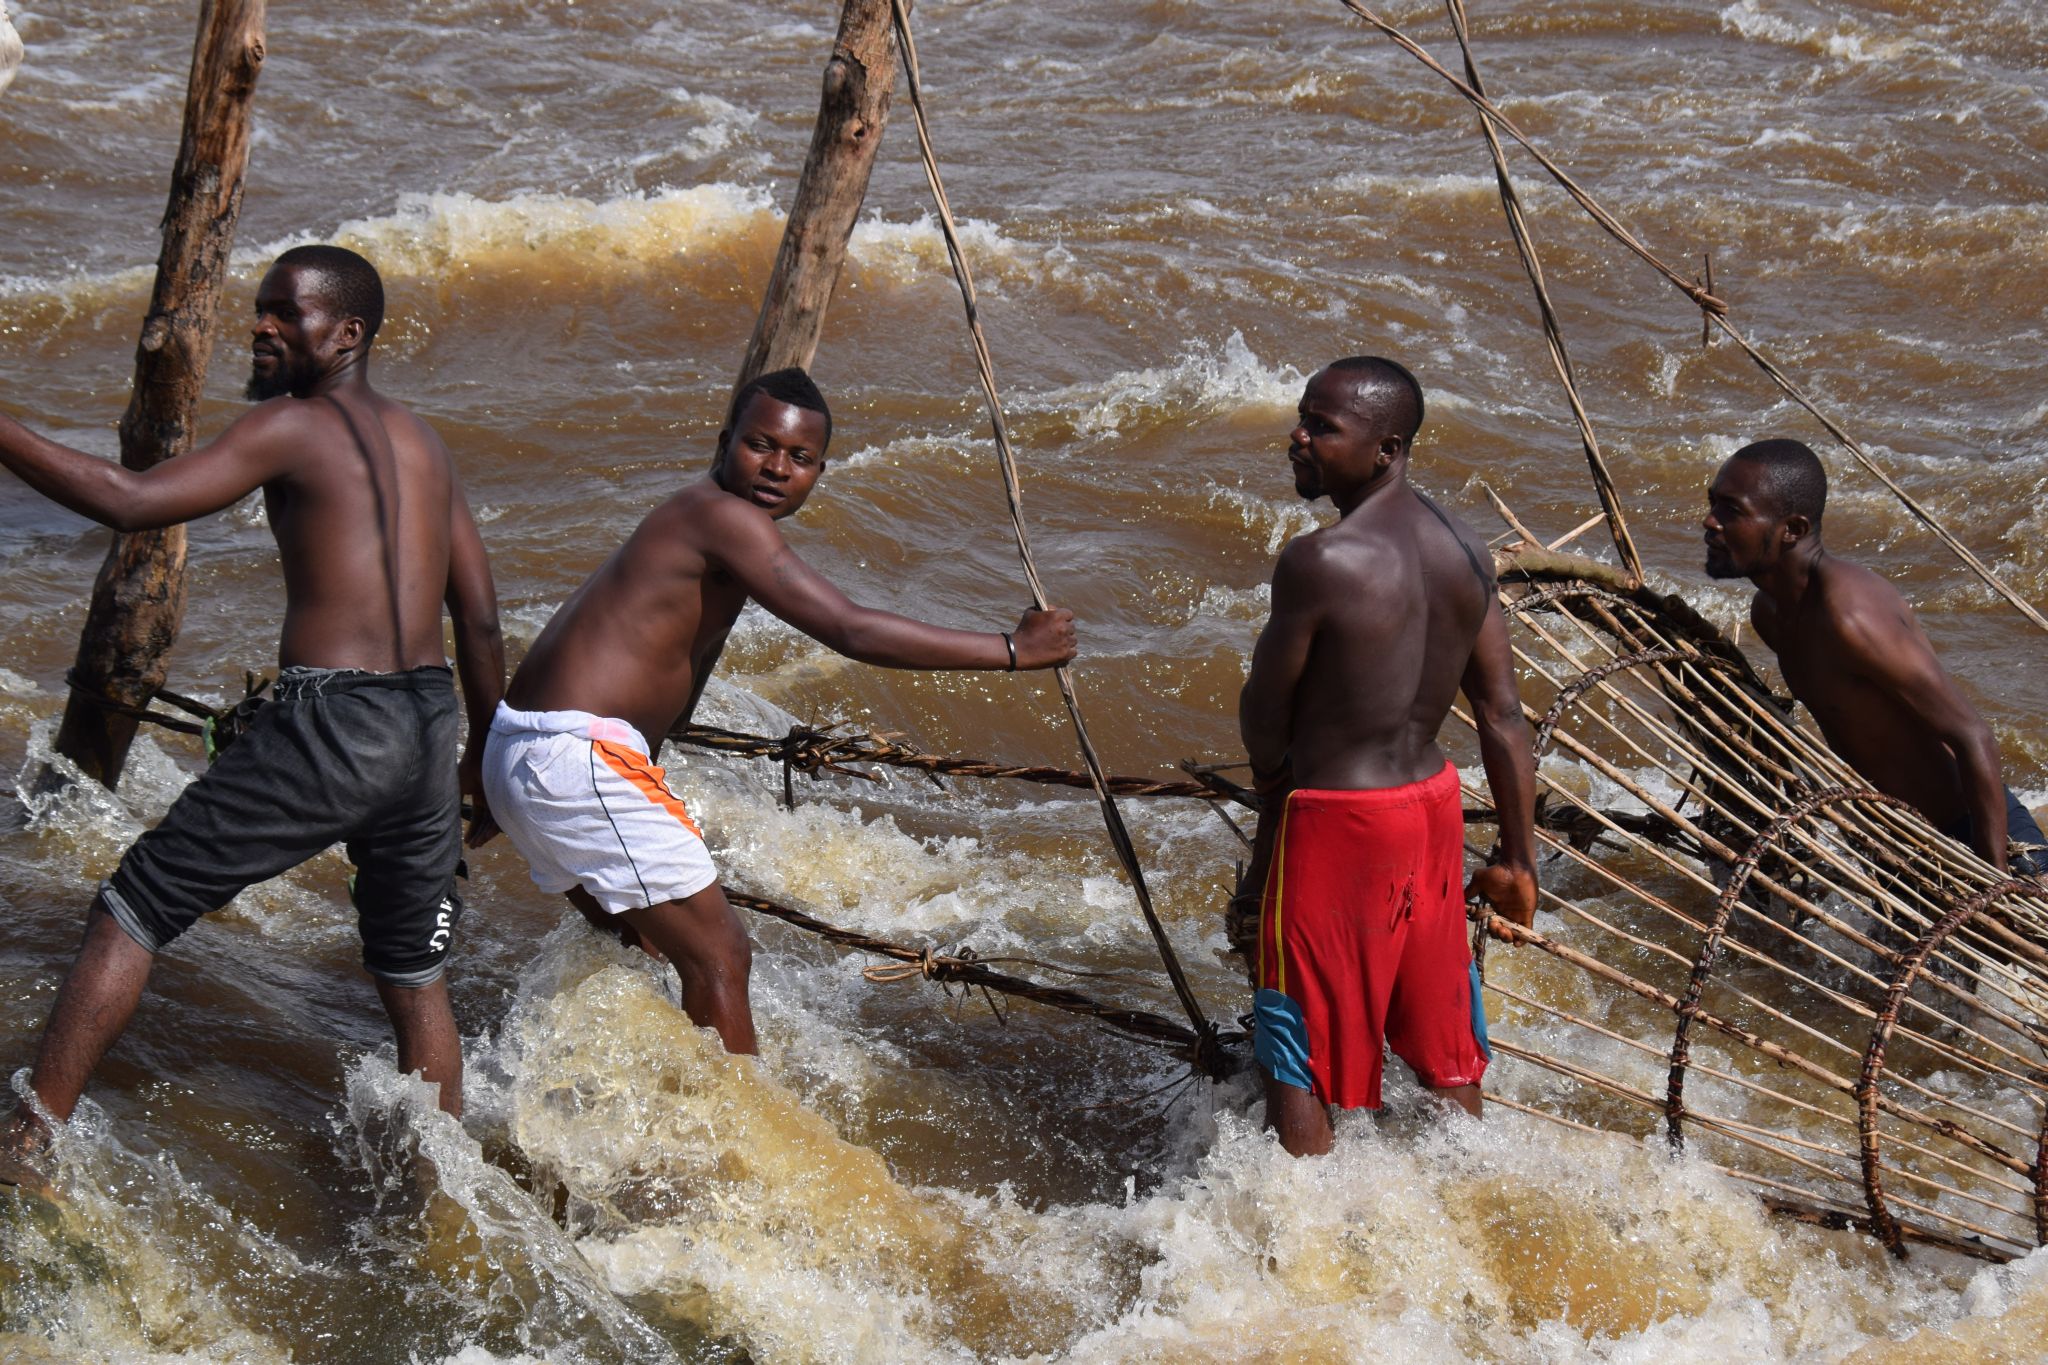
(1362, 942)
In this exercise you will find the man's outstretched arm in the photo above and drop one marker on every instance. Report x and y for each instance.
(772, 574)
(472, 600)
(247, 455)
(1504, 750)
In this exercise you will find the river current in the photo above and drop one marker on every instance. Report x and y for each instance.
(1176, 210)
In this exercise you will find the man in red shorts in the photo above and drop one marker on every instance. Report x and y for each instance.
(1377, 623)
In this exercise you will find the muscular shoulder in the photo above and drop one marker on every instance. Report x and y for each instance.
(1455, 536)
(1868, 616)
(704, 520)
(1329, 561)
(409, 428)
(287, 426)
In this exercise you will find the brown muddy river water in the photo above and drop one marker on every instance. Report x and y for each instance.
(1176, 210)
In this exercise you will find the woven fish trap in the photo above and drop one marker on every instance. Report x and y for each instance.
(1753, 951)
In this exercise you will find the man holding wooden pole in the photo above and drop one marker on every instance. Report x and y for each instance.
(569, 769)
(358, 743)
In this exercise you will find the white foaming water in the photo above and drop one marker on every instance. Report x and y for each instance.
(11, 51)
(1280, 521)
(708, 1192)
(1752, 19)
(481, 1234)
(917, 249)
(1235, 604)
(127, 1267)
(723, 121)
(1208, 379)
(435, 235)
(430, 234)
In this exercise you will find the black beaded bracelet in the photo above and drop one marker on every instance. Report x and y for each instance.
(1010, 645)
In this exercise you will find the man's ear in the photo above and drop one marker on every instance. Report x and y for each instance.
(350, 334)
(1390, 450)
(1797, 527)
(718, 454)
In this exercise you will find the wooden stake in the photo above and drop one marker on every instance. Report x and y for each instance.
(139, 598)
(851, 116)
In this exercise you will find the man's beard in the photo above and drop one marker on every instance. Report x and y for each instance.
(1723, 567)
(262, 387)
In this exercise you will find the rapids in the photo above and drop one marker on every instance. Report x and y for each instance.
(1176, 210)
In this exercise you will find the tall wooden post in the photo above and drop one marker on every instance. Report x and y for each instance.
(139, 598)
(851, 116)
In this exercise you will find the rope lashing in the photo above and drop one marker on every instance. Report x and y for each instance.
(215, 728)
(145, 714)
(965, 969)
(1119, 837)
(814, 751)
(1714, 309)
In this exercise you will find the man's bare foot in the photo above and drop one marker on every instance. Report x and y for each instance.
(24, 1150)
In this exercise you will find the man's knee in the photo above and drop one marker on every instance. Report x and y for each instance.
(415, 1004)
(701, 931)
(718, 927)
(110, 911)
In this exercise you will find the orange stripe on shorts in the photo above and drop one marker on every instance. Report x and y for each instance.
(651, 781)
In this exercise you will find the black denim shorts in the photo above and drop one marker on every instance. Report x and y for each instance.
(365, 759)
(2020, 828)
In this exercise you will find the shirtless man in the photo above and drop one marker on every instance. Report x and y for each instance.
(1377, 623)
(568, 770)
(358, 743)
(1852, 652)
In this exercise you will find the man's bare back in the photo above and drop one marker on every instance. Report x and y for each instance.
(664, 600)
(1377, 623)
(1399, 596)
(362, 510)
(360, 745)
(1848, 616)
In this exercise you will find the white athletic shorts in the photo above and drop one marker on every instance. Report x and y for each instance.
(579, 797)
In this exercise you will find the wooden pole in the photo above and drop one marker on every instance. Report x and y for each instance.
(139, 598)
(851, 115)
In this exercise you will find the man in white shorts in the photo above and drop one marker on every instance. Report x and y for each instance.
(567, 768)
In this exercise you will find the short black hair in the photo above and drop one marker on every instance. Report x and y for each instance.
(1795, 482)
(347, 282)
(1389, 387)
(792, 386)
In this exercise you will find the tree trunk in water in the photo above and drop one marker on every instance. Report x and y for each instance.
(139, 598)
(851, 116)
